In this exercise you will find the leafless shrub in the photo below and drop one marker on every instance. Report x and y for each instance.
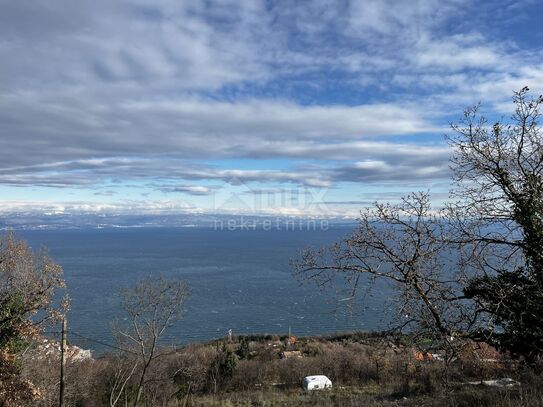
(152, 306)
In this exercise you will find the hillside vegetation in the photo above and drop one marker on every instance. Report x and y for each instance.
(267, 370)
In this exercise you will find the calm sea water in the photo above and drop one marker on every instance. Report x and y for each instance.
(240, 280)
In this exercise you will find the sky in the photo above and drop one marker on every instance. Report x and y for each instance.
(302, 108)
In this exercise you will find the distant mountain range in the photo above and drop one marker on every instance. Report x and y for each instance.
(81, 220)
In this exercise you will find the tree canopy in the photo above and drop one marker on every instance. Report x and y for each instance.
(29, 282)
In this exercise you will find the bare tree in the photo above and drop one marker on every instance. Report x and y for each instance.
(124, 365)
(152, 306)
(403, 245)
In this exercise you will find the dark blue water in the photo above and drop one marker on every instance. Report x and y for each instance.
(240, 280)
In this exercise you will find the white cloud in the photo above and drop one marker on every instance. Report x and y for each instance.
(76, 207)
(64, 127)
(454, 54)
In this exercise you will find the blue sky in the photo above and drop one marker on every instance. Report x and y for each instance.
(176, 106)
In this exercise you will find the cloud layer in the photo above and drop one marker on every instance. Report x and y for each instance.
(191, 93)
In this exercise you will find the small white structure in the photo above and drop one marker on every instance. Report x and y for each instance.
(317, 382)
(504, 382)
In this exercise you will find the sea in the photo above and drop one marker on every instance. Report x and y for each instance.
(240, 280)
